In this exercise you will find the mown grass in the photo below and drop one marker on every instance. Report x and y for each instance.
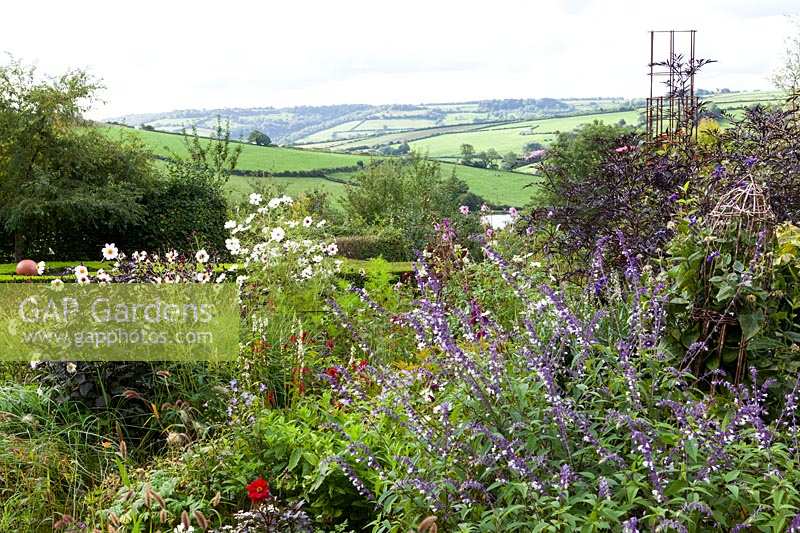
(7, 275)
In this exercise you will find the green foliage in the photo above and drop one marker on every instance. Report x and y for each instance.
(407, 194)
(56, 174)
(259, 138)
(183, 212)
(388, 245)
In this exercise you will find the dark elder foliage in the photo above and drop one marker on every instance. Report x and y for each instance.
(604, 178)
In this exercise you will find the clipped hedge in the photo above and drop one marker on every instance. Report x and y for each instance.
(390, 247)
(180, 215)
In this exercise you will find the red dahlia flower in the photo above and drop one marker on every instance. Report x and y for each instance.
(258, 490)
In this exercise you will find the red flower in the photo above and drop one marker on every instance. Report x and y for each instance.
(361, 365)
(258, 490)
(332, 372)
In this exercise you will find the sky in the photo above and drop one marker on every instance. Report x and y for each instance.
(175, 54)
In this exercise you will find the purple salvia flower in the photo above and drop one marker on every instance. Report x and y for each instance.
(631, 525)
(603, 490)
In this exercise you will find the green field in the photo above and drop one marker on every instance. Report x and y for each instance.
(513, 136)
(495, 186)
(272, 159)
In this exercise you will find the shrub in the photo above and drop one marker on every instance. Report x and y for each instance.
(389, 246)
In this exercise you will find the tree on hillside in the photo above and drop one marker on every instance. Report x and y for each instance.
(54, 167)
(787, 77)
(531, 146)
(509, 161)
(259, 138)
(467, 152)
(210, 160)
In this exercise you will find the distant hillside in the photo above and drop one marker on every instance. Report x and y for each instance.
(314, 124)
(304, 170)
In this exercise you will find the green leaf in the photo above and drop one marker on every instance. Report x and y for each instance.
(295, 458)
(751, 323)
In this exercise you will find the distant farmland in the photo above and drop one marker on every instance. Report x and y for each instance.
(495, 186)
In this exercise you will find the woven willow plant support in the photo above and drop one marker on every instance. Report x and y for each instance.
(743, 211)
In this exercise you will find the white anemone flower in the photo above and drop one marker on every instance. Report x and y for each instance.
(275, 202)
(332, 249)
(255, 198)
(201, 256)
(84, 280)
(307, 222)
(40, 267)
(57, 284)
(72, 368)
(278, 234)
(81, 271)
(110, 252)
(230, 224)
(202, 277)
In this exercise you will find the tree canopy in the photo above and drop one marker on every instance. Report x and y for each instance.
(56, 168)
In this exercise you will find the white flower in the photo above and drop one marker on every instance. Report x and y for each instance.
(278, 234)
(307, 272)
(201, 256)
(307, 222)
(202, 277)
(83, 280)
(484, 208)
(110, 252)
(321, 223)
(275, 202)
(81, 271)
(317, 259)
(233, 245)
(139, 256)
(34, 364)
(40, 267)
(71, 368)
(255, 198)
(57, 284)
(181, 529)
(230, 224)
(464, 209)
(171, 256)
(293, 224)
(286, 199)
(332, 249)
(240, 280)
(102, 276)
(221, 278)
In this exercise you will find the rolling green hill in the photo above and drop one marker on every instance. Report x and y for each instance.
(495, 186)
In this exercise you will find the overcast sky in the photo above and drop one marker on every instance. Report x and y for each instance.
(165, 55)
